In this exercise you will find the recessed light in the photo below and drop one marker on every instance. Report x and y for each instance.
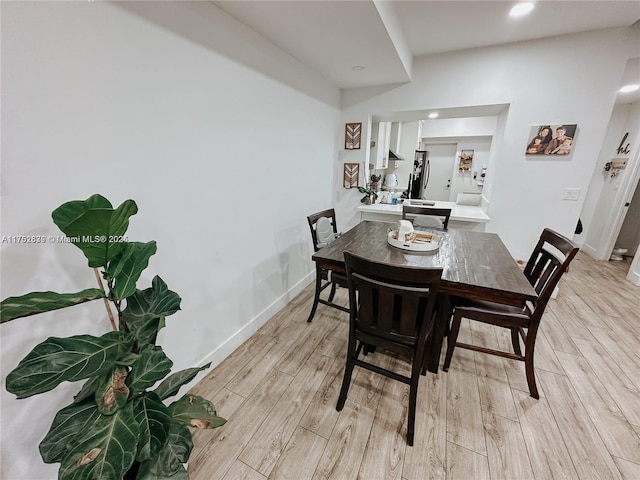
(629, 88)
(520, 9)
(357, 68)
(433, 115)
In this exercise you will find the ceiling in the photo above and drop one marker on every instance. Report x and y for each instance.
(384, 36)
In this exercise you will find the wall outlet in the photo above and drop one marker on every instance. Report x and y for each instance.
(571, 194)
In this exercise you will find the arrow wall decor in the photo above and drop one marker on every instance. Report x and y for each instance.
(352, 136)
(351, 175)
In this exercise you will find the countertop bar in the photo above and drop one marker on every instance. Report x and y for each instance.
(459, 213)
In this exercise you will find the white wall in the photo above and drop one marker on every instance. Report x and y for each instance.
(533, 78)
(459, 127)
(225, 142)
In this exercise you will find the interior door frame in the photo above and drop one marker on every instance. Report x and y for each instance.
(618, 213)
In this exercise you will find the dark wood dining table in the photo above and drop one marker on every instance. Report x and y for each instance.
(476, 265)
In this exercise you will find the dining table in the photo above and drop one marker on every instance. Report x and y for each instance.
(476, 266)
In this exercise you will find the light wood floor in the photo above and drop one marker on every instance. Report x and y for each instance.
(279, 391)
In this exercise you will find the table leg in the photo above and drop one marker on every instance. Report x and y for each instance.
(316, 296)
(438, 333)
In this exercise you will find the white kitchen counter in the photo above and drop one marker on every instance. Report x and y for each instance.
(462, 216)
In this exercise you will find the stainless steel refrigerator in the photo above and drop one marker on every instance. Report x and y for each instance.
(419, 176)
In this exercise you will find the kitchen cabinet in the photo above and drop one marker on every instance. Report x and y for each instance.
(382, 146)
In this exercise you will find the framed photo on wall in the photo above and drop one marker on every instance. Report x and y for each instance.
(551, 139)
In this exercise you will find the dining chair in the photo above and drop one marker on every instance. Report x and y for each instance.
(427, 216)
(392, 309)
(549, 260)
(324, 230)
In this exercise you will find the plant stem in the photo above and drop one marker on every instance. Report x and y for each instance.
(106, 302)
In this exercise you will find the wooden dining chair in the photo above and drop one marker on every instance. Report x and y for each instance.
(549, 260)
(429, 217)
(392, 308)
(324, 230)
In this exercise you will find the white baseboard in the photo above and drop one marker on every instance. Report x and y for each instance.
(244, 333)
(589, 250)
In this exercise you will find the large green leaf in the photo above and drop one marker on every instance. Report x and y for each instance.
(146, 310)
(40, 302)
(67, 425)
(171, 458)
(105, 451)
(95, 227)
(126, 267)
(171, 385)
(89, 388)
(154, 423)
(66, 359)
(153, 302)
(151, 366)
(195, 411)
(112, 392)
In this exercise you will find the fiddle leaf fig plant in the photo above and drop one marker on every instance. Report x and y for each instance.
(118, 425)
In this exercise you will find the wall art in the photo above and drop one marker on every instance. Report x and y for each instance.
(551, 139)
(466, 158)
(352, 136)
(622, 148)
(351, 175)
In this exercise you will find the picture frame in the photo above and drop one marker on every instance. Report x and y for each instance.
(351, 175)
(465, 161)
(551, 140)
(352, 136)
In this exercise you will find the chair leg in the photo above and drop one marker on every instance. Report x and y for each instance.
(411, 420)
(451, 341)
(413, 396)
(425, 359)
(316, 296)
(346, 381)
(438, 333)
(352, 354)
(515, 341)
(531, 376)
(333, 292)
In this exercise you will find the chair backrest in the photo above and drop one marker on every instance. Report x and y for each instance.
(325, 232)
(393, 304)
(427, 216)
(548, 262)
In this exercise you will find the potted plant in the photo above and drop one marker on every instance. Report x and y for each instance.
(118, 425)
(370, 195)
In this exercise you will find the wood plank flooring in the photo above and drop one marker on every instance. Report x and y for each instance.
(477, 421)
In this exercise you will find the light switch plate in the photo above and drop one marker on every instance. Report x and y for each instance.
(571, 194)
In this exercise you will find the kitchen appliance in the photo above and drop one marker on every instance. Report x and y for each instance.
(391, 180)
(420, 174)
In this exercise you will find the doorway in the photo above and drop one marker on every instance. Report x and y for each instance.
(629, 236)
(441, 160)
